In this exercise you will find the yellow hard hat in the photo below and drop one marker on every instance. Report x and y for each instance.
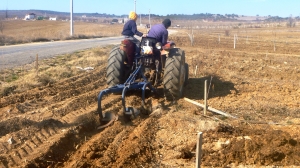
(132, 15)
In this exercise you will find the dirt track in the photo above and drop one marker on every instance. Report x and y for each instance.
(54, 125)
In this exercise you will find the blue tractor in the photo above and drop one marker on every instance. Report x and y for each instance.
(155, 65)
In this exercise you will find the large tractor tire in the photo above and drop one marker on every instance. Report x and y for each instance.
(174, 74)
(115, 70)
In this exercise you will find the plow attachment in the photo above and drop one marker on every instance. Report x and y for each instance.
(131, 84)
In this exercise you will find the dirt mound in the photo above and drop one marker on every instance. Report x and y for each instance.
(246, 145)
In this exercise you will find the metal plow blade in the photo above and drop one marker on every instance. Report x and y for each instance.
(107, 120)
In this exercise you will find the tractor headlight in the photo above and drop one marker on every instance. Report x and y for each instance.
(158, 45)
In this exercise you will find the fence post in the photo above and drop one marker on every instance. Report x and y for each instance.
(199, 150)
(234, 41)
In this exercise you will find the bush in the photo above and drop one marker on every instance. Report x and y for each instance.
(7, 90)
(4, 40)
(40, 40)
(46, 79)
(66, 74)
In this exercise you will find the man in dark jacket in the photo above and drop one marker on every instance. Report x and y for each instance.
(160, 32)
(130, 29)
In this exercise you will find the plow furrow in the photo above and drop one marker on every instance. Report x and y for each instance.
(52, 134)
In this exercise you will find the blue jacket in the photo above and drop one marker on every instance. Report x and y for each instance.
(159, 32)
(130, 29)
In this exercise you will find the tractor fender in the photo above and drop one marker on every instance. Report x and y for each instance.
(129, 48)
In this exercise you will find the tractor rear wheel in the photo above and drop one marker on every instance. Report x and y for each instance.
(174, 74)
(115, 70)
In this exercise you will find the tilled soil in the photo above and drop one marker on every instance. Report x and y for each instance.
(55, 125)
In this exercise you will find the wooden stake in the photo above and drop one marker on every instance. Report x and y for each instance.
(199, 150)
(209, 108)
(205, 97)
(234, 41)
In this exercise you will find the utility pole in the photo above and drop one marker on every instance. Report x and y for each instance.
(6, 13)
(135, 6)
(71, 19)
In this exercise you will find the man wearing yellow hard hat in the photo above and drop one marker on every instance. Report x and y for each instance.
(130, 29)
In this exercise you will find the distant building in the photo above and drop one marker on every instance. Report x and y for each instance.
(29, 16)
(52, 18)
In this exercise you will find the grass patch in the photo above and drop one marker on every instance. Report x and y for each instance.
(223, 117)
(81, 36)
(12, 77)
(66, 74)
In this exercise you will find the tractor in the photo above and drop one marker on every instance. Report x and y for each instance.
(153, 66)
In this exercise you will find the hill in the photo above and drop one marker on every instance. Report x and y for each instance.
(202, 16)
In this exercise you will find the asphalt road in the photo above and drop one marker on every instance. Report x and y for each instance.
(17, 55)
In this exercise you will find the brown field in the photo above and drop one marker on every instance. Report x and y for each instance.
(20, 31)
(49, 120)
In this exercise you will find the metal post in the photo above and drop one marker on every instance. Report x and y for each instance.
(149, 19)
(199, 150)
(205, 97)
(135, 6)
(71, 18)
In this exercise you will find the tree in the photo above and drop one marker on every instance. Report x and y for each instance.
(291, 22)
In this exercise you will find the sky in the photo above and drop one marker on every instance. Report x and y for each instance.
(282, 8)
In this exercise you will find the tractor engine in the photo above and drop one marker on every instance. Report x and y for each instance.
(149, 56)
(149, 51)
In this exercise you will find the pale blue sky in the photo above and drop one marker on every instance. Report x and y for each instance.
(283, 8)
